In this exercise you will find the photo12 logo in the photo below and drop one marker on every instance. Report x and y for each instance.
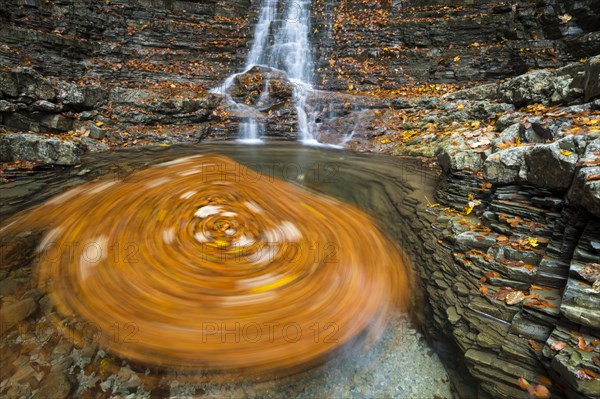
(268, 332)
(90, 252)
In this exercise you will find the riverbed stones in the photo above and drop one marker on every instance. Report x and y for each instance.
(55, 385)
(13, 311)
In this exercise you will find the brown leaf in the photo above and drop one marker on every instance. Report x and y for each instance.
(558, 345)
(544, 380)
(583, 374)
(591, 272)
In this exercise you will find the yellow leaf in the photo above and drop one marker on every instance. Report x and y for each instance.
(460, 106)
(566, 153)
(433, 205)
(456, 59)
(532, 241)
(99, 123)
(275, 284)
(475, 124)
(518, 141)
(468, 210)
(351, 87)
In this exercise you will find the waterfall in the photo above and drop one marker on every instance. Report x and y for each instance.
(281, 41)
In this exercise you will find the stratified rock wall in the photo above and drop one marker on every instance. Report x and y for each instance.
(370, 44)
(123, 41)
(513, 307)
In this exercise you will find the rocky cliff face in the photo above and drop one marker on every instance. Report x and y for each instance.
(386, 44)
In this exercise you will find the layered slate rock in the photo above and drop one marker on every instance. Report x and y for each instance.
(30, 147)
(433, 41)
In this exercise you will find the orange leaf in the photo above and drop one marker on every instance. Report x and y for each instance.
(492, 275)
(484, 290)
(535, 345)
(544, 380)
(541, 392)
(583, 374)
(523, 384)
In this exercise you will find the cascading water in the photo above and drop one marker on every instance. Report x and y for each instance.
(281, 41)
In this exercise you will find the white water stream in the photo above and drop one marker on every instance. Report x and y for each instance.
(281, 41)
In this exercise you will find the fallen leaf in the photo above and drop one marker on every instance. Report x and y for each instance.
(544, 380)
(558, 345)
(523, 384)
(591, 272)
(541, 392)
(565, 18)
(483, 290)
(535, 345)
(583, 374)
(515, 297)
(566, 153)
(492, 274)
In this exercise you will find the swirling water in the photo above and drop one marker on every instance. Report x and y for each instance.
(398, 365)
